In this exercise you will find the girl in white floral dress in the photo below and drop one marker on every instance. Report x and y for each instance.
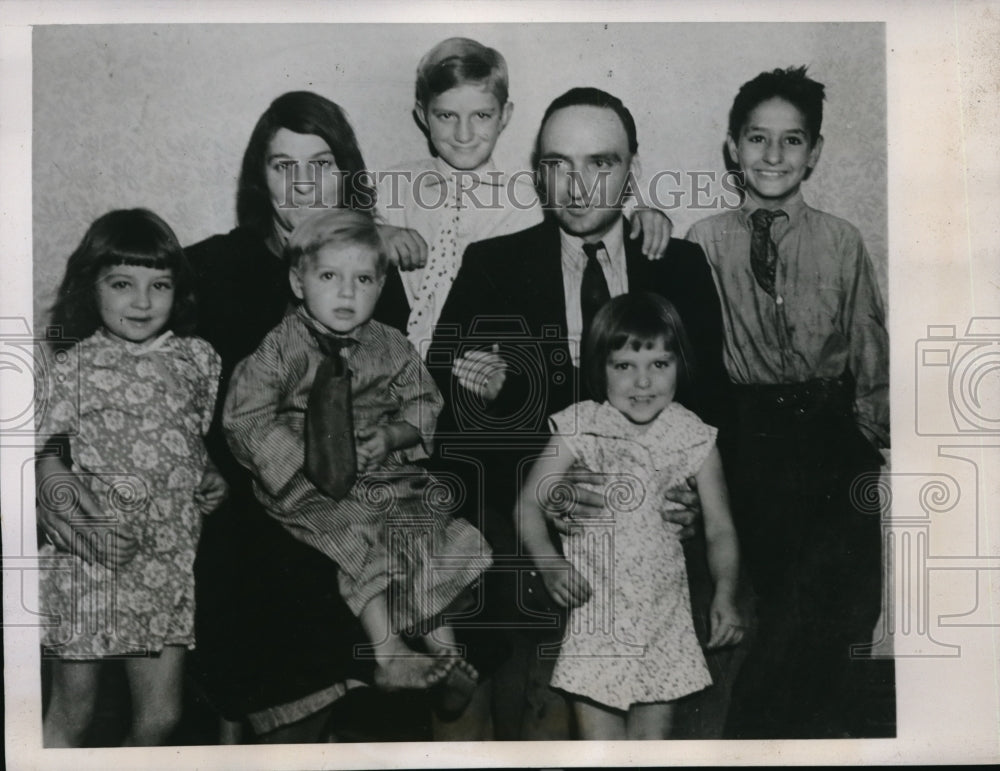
(135, 395)
(630, 648)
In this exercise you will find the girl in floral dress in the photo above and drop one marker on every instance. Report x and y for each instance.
(630, 648)
(135, 393)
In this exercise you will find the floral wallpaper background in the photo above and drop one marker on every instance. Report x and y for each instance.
(159, 115)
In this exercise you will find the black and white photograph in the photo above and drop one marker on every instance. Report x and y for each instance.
(459, 385)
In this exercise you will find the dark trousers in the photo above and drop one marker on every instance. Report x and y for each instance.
(813, 555)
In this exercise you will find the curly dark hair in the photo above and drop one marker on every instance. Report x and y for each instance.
(791, 84)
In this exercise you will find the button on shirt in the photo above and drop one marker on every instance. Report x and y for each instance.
(827, 314)
(612, 260)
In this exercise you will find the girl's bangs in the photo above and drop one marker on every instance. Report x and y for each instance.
(151, 261)
(639, 338)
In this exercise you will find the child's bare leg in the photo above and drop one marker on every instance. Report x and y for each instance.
(396, 664)
(156, 684)
(650, 721)
(71, 703)
(597, 722)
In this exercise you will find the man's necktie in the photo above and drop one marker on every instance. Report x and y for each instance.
(763, 250)
(593, 288)
(331, 464)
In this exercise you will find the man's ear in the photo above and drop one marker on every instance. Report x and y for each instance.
(632, 180)
(505, 112)
(421, 115)
(295, 280)
(815, 152)
(635, 168)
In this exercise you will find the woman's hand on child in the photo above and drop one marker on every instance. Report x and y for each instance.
(212, 490)
(63, 513)
(481, 372)
(404, 247)
(727, 624)
(566, 584)
(655, 228)
(372, 448)
(685, 495)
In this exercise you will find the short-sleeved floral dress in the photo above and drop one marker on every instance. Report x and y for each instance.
(634, 640)
(135, 415)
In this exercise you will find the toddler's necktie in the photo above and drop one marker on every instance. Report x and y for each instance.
(594, 290)
(763, 250)
(331, 464)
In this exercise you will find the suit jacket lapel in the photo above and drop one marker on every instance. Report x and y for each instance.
(546, 282)
(637, 267)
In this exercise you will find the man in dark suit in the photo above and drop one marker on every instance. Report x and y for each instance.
(505, 355)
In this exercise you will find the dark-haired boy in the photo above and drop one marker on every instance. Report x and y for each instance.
(806, 346)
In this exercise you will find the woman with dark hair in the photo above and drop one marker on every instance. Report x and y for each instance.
(300, 112)
(275, 638)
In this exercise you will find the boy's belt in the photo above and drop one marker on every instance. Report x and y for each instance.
(821, 397)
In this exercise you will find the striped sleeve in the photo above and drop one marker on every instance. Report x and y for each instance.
(260, 438)
(418, 396)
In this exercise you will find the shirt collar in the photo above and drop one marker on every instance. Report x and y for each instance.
(614, 244)
(793, 208)
(358, 336)
(138, 349)
(488, 174)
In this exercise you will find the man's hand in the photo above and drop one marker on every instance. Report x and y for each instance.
(566, 585)
(685, 495)
(62, 497)
(581, 501)
(585, 502)
(404, 247)
(212, 490)
(481, 372)
(655, 228)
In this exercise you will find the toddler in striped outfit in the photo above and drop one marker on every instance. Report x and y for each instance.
(404, 560)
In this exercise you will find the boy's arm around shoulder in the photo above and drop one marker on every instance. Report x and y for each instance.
(259, 439)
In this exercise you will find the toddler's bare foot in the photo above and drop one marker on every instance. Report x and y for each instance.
(455, 691)
(411, 672)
